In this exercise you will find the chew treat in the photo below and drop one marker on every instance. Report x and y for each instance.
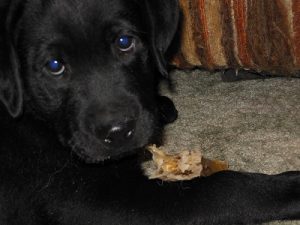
(185, 165)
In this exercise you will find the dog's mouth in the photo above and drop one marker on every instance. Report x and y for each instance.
(81, 153)
(91, 151)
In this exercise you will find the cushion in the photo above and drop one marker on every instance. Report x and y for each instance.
(263, 36)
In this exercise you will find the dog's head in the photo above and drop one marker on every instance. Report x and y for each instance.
(89, 67)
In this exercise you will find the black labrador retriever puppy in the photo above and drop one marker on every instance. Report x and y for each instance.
(78, 90)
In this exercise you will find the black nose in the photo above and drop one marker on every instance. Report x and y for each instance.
(117, 134)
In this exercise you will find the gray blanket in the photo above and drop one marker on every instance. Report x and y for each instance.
(254, 125)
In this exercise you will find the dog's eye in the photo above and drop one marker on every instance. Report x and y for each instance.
(125, 43)
(55, 67)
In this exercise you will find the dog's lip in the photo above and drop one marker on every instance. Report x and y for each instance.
(117, 157)
(84, 156)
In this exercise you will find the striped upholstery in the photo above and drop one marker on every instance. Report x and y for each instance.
(262, 35)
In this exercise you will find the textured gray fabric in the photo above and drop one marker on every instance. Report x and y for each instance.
(254, 125)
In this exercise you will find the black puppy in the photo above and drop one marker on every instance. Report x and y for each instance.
(81, 77)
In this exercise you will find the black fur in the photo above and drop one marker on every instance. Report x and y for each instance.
(52, 126)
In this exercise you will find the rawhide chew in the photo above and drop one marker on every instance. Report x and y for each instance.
(185, 165)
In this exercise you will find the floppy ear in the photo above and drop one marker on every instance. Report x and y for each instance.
(11, 93)
(163, 21)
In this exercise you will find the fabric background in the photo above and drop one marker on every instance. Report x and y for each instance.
(252, 34)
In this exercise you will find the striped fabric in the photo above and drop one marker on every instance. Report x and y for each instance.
(262, 35)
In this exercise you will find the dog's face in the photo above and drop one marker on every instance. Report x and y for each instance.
(90, 68)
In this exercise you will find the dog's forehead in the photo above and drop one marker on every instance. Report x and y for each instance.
(93, 7)
(91, 11)
(77, 17)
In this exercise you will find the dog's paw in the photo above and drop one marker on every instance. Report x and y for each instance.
(293, 177)
(167, 110)
(292, 196)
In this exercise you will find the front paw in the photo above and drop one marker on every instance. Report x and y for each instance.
(292, 178)
(167, 110)
(290, 181)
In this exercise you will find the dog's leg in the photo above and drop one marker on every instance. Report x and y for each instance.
(226, 198)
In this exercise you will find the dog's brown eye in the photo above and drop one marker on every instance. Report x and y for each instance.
(125, 43)
(55, 67)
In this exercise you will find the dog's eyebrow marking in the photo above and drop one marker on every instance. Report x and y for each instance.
(126, 24)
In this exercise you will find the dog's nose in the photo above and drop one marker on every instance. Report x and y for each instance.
(117, 134)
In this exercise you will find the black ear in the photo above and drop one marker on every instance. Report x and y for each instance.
(11, 92)
(163, 21)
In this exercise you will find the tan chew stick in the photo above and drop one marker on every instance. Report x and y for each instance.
(185, 165)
